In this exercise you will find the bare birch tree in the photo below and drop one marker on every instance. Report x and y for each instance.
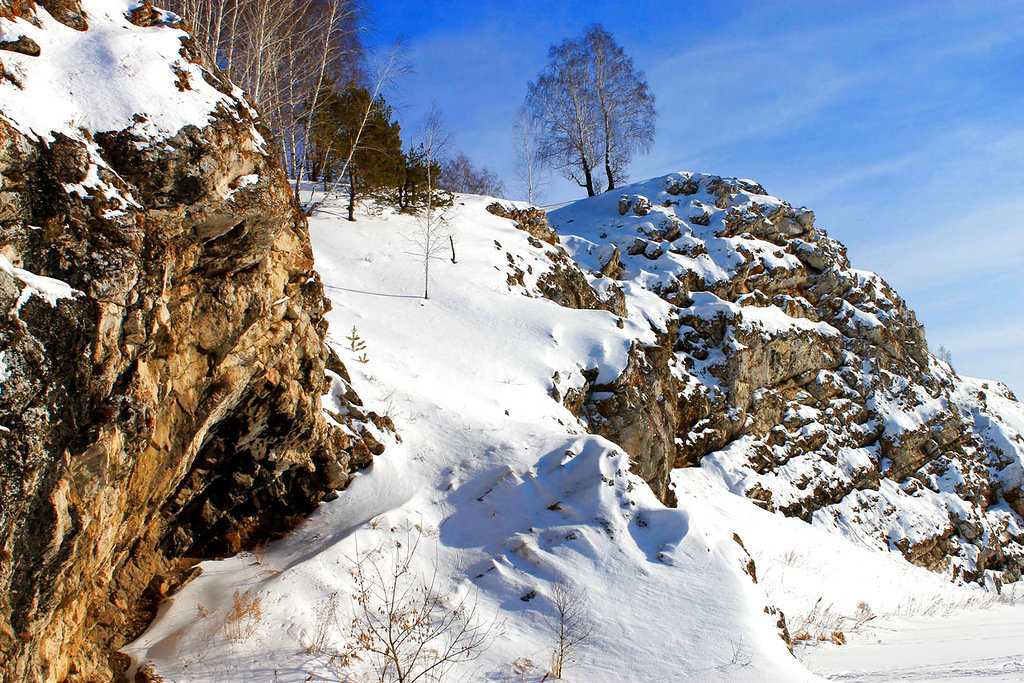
(527, 162)
(209, 20)
(592, 107)
(336, 16)
(281, 52)
(624, 100)
(562, 103)
(571, 626)
(432, 233)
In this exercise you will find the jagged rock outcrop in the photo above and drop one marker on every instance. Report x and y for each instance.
(562, 282)
(530, 220)
(162, 353)
(807, 383)
(632, 412)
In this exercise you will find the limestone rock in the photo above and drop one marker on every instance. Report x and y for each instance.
(632, 412)
(641, 205)
(531, 220)
(676, 184)
(23, 45)
(610, 261)
(625, 204)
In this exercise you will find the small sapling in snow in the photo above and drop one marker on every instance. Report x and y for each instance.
(357, 345)
(404, 625)
(571, 626)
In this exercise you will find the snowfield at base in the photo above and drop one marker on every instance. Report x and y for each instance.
(954, 648)
(504, 494)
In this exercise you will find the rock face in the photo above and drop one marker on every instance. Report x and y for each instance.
(563, 282)
(162, 353)
(806, 383)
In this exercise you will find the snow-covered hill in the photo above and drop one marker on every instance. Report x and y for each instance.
(805, 382)
(515, 469)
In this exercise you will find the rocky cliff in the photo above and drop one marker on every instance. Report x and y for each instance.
(805, 383)
(162, 354)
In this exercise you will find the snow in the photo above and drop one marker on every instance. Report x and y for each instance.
(114, 76)
(49, 289)
(241, 183)
(500, 488)
(482, 483)
(959, 646)
(768, 319)
(504, 494)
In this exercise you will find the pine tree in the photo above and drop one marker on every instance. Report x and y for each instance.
(377, 160)
(412, 188)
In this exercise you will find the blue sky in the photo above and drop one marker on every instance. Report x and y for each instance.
(900, 123)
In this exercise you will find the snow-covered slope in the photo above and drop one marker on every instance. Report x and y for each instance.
(506, 491)
(117, 75)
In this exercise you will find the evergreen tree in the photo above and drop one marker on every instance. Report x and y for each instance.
(345, 120)
(413, 185)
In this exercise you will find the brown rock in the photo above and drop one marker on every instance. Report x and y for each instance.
(170, 411)
(23, 45)
(531, 220)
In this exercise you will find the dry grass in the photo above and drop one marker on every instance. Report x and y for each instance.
(826, 624)
(148, 674)
(823, 622)
(325, 625)
(245, 616)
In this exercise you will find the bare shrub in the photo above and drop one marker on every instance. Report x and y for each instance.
(403, 626)
(522, 666)
(259, 551)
